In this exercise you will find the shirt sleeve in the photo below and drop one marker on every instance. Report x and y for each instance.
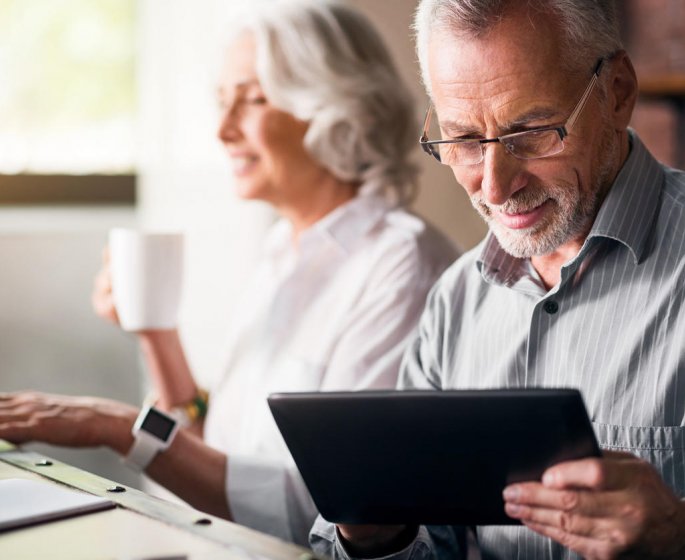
(431, 543)
(425, 364)
(270, 497)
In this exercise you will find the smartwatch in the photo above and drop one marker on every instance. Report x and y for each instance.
(153, 432)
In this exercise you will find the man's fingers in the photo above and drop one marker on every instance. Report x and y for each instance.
(588, 547)
(619, 503)
(569, 500)
(574, 521)
(592, 473)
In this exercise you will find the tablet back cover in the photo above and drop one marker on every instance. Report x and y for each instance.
(428, 457)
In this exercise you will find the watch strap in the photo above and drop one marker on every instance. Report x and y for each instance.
(153, 431)
(143, 450)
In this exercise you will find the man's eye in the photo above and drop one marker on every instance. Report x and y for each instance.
(529, 128)
(462, 135)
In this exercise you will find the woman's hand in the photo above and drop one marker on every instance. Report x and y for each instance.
(66, 421)
(162, 349)
(102, 300)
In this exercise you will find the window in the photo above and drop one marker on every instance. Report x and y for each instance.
(67, 101)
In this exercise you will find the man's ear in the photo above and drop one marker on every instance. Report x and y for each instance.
(622, 90)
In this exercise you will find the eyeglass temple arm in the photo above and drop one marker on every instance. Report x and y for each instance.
(586, 95)
(426, 123)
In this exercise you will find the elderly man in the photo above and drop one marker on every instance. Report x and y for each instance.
(580, 282)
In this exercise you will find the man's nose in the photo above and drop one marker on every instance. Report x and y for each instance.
(501, 174)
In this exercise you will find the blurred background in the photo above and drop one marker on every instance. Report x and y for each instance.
(109, 112)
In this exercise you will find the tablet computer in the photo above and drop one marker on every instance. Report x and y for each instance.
(428, 457)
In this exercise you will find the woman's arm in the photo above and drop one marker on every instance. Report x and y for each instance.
(166, 361)
(162, 349)
(189, 468)
(194, 472)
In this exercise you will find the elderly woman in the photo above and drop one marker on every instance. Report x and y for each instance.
(317, 123)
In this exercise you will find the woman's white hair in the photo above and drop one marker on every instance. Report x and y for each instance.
(324, 63)
(589, 27)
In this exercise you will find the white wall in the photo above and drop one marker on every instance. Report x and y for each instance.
(50, 340)
(441, 200)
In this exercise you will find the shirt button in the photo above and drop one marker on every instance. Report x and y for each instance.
(551, 307)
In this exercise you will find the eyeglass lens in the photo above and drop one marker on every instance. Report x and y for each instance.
(526, 145)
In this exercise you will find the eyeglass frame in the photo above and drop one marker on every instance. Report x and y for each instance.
(428, 146)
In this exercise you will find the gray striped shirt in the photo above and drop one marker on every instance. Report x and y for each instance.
(614, 327)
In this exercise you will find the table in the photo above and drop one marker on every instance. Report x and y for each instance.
(141, 527)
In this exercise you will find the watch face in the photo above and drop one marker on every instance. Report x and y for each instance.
(157, 424)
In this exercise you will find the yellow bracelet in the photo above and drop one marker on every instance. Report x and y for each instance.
(187, 413)
(196, 409)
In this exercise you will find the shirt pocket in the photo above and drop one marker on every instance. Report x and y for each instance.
(662, 446)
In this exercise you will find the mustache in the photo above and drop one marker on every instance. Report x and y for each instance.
(519, 203)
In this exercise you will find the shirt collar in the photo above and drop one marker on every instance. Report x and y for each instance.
(626, 215)
(630, 208)
(500, 268)
(339, 229)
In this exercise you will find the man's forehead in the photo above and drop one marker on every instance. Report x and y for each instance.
(487, 62)
(522, 42)
(503, 70)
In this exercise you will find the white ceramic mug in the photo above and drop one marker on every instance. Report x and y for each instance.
(147, 271)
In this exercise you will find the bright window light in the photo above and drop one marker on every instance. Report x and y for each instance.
(67, 86)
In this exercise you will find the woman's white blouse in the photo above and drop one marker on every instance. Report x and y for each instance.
(333, 312)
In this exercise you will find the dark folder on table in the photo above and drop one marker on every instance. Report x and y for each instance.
(428, 457)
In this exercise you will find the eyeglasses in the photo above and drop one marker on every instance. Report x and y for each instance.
(529, 144)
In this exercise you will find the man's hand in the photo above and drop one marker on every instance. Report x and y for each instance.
(373, 540)
(66, 421)
(616, 506)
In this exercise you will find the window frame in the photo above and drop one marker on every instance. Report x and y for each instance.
(31, 189)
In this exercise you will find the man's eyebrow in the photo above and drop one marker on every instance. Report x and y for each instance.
(454, 127)
(534, 115)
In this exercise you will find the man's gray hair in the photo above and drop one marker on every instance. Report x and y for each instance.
(325, 63)
(589, 27)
